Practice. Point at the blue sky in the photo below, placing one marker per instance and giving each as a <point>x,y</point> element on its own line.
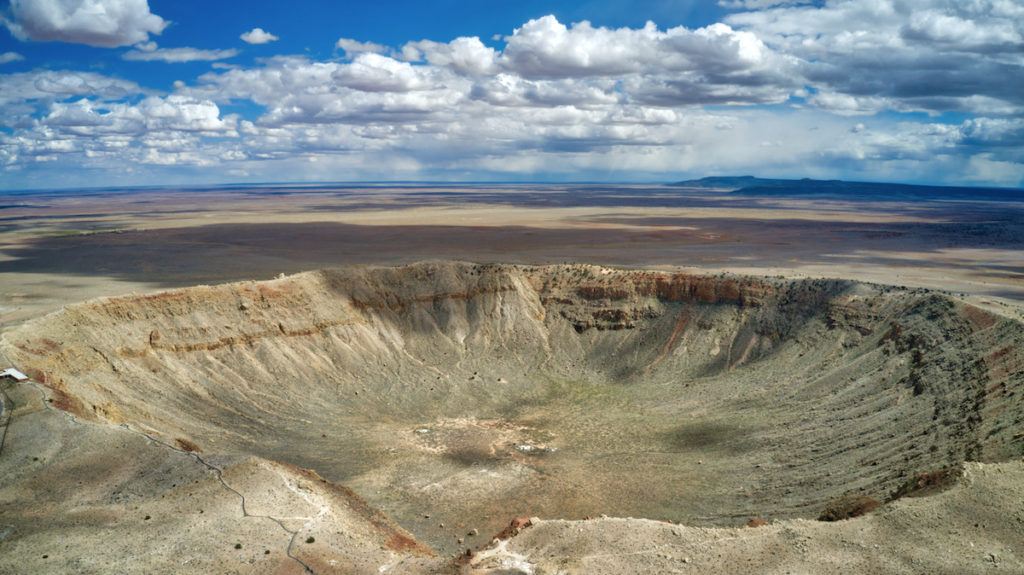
<point>123,92</point>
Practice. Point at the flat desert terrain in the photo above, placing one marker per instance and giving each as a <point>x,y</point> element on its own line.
<point>61,247</point>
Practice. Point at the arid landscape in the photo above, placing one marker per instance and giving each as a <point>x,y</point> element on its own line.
<point>62,247</point>
<point>710,391</point>
<point>550,287</point>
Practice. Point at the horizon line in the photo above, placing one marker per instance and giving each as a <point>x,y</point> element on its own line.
<point>384,183</point>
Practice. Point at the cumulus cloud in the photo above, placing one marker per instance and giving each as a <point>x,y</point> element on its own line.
<point>149,52</point>
<point>258,36</point>
<point>370,72</point>
<point>464,55</point>
<point>938,55</point>
<point>372,88</point>
<point>547,48</point>
<point>8,57</point>
<point>40,88</point>
<point>777,86</point>
<point>106,23</point>
<point>354,47</point>
<point>995,132</point>
<point>958,31</point>
<point>678,66</point>
<point>509,90</point>
<point>154,114</point>
<point>157,130</point>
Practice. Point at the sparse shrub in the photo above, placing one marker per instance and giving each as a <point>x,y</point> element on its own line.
<point>238,545</point>
<point>310,539</point>
<point>848,507</point>
<point>187,445</point>
<point>927,483</point>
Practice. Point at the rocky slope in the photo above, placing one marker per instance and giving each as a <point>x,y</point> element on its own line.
<point>453,396</point>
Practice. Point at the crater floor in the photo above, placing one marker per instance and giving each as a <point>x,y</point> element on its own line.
<point>454,396</point>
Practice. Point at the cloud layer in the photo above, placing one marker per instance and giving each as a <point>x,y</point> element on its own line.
<point>780,87</point>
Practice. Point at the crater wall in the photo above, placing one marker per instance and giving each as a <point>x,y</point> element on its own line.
<point>558,391</point>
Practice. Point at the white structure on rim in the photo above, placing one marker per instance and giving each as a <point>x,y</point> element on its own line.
<point>13,374</point>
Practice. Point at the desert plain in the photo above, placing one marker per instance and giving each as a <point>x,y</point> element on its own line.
<point>66,246</point>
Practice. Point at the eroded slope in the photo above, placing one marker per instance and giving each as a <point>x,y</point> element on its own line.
<point>460,395</point>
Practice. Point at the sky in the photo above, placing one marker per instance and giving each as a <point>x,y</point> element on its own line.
<point>197,92</point>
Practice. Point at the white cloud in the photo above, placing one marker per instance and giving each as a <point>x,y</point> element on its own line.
<point>546,48</point>
<point>370,72</point>
<point>182,113</point>
<point>848,105</point>
<point>511,90</point>
<point>258,36</point>
<point>938,55</point>
<point>154,116</point>
<point>464,55</point>
<point>570,99</point>
<point>168,130</point>
<point>107,23</point>
<point>1000,132</point>
<point>954,30</point>
<point>370,89</point>
<point>27,89</point>
<point>677,66</point>
<point>149,52</point>
<point>8,57</point>
<point>354,47</point>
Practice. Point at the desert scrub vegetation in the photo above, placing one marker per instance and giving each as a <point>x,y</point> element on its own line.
<point>187,445</point>
<point>848,507</point>
<point>927,483</point>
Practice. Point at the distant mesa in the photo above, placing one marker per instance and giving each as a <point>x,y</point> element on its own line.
<point>839,189</point>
